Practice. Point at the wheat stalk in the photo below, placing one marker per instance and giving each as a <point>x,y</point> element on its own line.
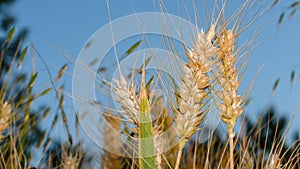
<point>194,88</point>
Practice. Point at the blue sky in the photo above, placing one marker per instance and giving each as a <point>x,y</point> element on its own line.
<point>66,25</point>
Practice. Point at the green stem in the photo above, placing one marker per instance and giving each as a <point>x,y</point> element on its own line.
<point>146,142</point>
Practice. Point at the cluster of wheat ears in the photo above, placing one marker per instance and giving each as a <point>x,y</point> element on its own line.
<point>211,77</point>
<point>196,88</point>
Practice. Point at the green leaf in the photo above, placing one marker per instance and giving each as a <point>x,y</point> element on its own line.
<point>280,18</point>
<point>139,70</point>
<point>132,48</point>
<point>10,35</point>
<point>46,113</point>
<point>23,54</point>
<point>45,92</point>
<point>102,69</point>
<point>275,2</point>
<point>54,121</point>
<point>275,85</point>
<point>94,62</point>
<point>292,76</point>
<point>61,71</point>
<point>20,78</point>
<point>146,142</point>
<point>292,13</point>
<point>76,121</point>
<point>41,139</point>
<point>149,83</point>
<point>61,101</point>
<point>295,4</point>
<point>32,80</point>
<point>20,101</point>
<point>46,143</point>
<point>88,44</point>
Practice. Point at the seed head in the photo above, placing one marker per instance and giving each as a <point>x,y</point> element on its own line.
<point>5,117</point>
<point>227,77</point>
<point>194,85</point>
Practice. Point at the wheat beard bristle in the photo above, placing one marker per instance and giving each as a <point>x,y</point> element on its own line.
<point>194,85</point>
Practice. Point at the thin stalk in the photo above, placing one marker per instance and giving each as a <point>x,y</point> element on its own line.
<point>179,154</point>
<point>231,147</point>
<point>158,161</point>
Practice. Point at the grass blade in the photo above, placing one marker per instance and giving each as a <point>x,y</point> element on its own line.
<point>22,57</point>
<point>32,80</point>
<point>61,71</point>
<point>280,19</point>
<point>275,85</point>
<point>132,48</point>
<point>292,77</point>
<point>10,35</point>
<point>146,142</point>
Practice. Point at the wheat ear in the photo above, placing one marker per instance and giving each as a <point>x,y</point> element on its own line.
<point>70,160</point>
<point>5,118</point>
<point>194,88</point>
<point>230,101</point>
<point>126,95</point>
<point>274,162</point>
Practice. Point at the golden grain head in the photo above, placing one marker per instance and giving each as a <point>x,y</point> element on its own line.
<point>5,117</point>
<point>194,85</point>
<point>274,162</point>
<point>127,97</point>
<point>70,162</point>
<point>203,48</point>
<point>227,77</point>
<point>226,41</point>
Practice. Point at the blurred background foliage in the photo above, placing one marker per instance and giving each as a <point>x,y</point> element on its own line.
<point>25,136</point>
